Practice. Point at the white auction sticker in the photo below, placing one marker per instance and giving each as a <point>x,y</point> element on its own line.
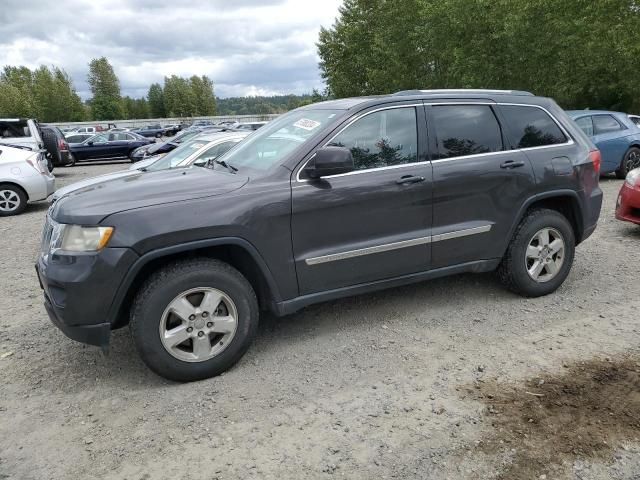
<point>306,124</point>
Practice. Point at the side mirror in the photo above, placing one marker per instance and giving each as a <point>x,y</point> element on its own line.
<point>89,143</point>
<point>330,161</point>
<point>202,162</point>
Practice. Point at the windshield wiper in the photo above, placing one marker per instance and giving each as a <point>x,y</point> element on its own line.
<point>231,168</point>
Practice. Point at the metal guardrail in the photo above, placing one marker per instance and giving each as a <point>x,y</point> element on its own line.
<point>167,121</point>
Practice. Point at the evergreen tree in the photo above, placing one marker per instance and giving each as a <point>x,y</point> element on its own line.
<point>106,103</point>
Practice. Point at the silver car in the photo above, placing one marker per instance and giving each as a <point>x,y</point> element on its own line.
<point>24,178</point>
<point>198,151</point>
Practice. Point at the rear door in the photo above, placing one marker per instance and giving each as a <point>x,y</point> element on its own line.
<point>373,223</point>
<point>479,182</point>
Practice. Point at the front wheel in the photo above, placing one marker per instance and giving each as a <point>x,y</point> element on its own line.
<point>194,319</point>
<point>540,254</point>
<point>630,161</point>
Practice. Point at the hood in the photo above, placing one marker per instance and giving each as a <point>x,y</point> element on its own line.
<point>145,163</point>
<point>90,204</point>
<point>61,192</point>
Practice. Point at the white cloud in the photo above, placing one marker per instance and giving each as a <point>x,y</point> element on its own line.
<point>247,47</point>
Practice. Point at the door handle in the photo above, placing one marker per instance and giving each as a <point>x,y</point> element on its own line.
<point>512,164</point>
<point>409,179</point>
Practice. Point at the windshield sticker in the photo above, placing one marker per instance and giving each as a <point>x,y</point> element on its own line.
<point>307,124</point>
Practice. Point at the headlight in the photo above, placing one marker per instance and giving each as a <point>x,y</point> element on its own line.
<point>76,238</point>
<point>633,178</point>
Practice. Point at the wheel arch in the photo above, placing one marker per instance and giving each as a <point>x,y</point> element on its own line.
<point>237,252</point>
<point>13,183</point>
<point>565,202</point>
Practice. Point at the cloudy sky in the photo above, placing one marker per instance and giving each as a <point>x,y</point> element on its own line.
<point>247,47</point>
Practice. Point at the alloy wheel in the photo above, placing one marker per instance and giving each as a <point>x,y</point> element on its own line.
<point>633,160</point>
<point>198,324</point>
<point>545,255</point>
<point>9,201</point>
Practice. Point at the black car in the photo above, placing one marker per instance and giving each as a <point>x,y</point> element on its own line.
<point>160,148</point>
<point>56,146</point>
<point>333,199</point>
<point>107,145</point>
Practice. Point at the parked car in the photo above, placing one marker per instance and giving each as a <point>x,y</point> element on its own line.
<point>199,150</point>
<point>635,119</point>
<point>56,145</point>
<point>213,146</point>
<point>333,199</point>
<point>24,178</point>
<point>203,123</point>
<point>21,131</point>
<point>628,204</point>
<point>171,129</point>
<point>93,130</point>
<point>156,131</point>
<point>161,148</point>
<point>107,145</point>
<point>79,137</point>
<point>615,135</point>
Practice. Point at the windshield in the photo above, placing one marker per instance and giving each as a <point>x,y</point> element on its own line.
<point>173,158</point>
<point>270,144</point>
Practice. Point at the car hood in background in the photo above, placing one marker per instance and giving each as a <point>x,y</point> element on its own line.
<point>90,204</point>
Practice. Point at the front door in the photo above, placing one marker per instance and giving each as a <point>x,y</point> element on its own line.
<point>610,140</point>
<point>375,222</point>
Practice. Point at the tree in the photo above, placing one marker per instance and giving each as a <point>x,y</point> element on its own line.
<point>179,98</point>
<point>155,98</point>
<point>205,101</point>
<point>578,51</point>
<point>105,86</point>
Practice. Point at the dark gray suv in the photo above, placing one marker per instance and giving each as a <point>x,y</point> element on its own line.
<point>333,199</point>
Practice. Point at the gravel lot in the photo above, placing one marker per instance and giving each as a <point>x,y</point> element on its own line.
<point>378,386</point>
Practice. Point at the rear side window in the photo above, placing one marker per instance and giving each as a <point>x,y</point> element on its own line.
<point>532,127</point>
<point>381,139</point>
<point>605,124</point>
<point>586,125</point>
<point>466,130</point>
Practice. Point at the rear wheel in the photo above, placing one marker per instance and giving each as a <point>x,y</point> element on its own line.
<point>630,161</point>
<point>194,319</point>
<point>13,200</point>
<point>540,254</point>
<point>72,160</point>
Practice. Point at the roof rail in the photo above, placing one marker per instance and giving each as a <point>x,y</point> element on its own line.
<point>458,91</point>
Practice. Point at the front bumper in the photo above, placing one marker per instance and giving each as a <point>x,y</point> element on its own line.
<point>80,289</point>
<point>628,204</point>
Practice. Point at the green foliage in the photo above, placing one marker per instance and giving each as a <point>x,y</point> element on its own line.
<point>106,103</point>
<point>45,93</point>
<point>264,105</point>
<point>205,101</point>
<point>135,108</point>
<point>582,53</point>
<point>156,101</point>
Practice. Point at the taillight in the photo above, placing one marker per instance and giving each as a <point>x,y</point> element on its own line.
<point>596,159</point>
<point>62,145</point>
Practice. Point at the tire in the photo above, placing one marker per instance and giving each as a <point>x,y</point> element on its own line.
<point>72,160</point>
<point>150,318</point>
<point>630,161</point>
<point>13,200</point>
<point>158,135</point>
<point>513,271</point>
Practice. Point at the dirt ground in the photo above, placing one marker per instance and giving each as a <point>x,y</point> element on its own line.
<point>440,380</point>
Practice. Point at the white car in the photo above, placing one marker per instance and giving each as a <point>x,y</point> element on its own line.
<point>24,178</point>
<point>22,132</point>
<point>198,151</point>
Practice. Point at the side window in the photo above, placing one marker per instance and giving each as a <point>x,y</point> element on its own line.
<point>381,139</point>
<point>466,130</point>
<point>532,127</point>
<point>586,125</point>
<point>605,124</point>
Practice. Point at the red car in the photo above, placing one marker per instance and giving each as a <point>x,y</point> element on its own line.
<point>628,205</point>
